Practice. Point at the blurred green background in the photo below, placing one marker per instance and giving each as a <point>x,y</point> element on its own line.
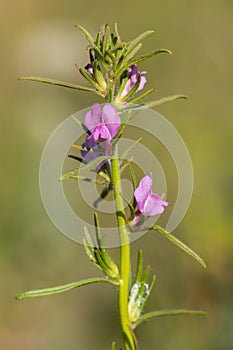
<point>39,38</point>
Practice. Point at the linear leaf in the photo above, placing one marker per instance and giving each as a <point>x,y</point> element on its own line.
<point>61,289</point>
<point>88,166</point>
<point>139,267</point>
<point>158,102</point>
<point>179,244</point>
<point>154,314</point>
<point>138,39</point>
<point>149,55</point>
<point>61,83</point>
<point>147,93</point>
<point>86,33</point>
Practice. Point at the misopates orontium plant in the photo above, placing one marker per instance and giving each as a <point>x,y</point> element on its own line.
<point>113,74</point>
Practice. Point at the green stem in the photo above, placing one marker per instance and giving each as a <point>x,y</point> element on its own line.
<point>125,265</point>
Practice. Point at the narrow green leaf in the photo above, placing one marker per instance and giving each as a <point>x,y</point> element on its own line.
<point>131,54</point>
<point>131,208</point>
<point>145,275</point>
<point>88,239</point>
<point>86,33</point>
<point>79,159</point>
<point>144,57</point>
<point>117,31</point>
<point>88,77</point>
<point>139,267</point>
<point>89,251</point>
<point>139,98</point>
<point>62,83</point>
<point>154,314</point>
<point>86,179</point>
<point>81,125</point>
<point>106,39</point>
<point>61,289</point>
<point>103,195</point>
<point>132,175</point>
<point>113,345</point>
<point>123,125</point>
<point>88,166</point>
<point>149,55</point>
<point>159,102</point>
<point>179,244</point>
<point>97,229</point>
<point>129,150</point>
<point>138,39</point>
<point>81,148</point>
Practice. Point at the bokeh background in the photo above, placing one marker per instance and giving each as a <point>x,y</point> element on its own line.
<point>39,38</point>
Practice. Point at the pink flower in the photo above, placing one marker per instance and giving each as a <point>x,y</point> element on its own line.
<point>103,125</point>
<point>132,79</point>
<point>148,203</point>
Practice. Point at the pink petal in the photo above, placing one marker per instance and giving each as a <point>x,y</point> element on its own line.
<point>111,119</point>
<point>101,132</point>
<point>127,88</point>
<point>154,205</point>
<point>93,117</point>
<point>142,82</point>
<point>143,191</point>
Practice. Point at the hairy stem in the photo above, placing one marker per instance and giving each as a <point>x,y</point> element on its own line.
<point>125,256</point>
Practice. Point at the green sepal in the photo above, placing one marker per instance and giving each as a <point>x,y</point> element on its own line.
<point>161,313</point>
<point>62,83</point>
<point>63,288</point>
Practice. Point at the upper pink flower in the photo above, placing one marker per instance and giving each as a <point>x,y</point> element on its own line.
<point>132,79</point>
<point>103,125</point>
<point>148,203</point>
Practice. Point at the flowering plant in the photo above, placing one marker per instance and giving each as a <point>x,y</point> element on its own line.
<point>114,75</point>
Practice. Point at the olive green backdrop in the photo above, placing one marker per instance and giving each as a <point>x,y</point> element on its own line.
<point>39,38</point>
